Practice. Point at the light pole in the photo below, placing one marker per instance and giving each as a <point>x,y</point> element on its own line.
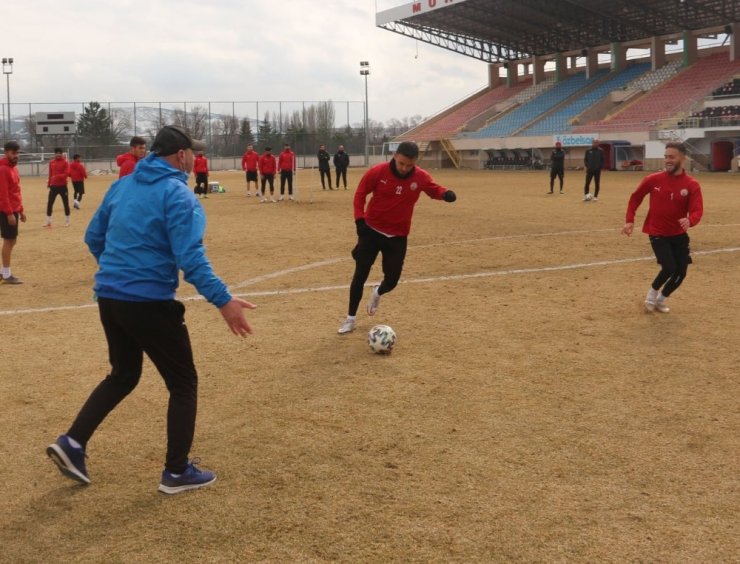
<point>365,71</point>
<point>7,71</point>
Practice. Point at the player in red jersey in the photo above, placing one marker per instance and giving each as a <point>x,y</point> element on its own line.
<point>675,205</point>
<point>250,158</point>
<point>57,184</point>
<point>11,208</point>
<point>78,174</point>
<point>127,161</point>
<point>384,223</point>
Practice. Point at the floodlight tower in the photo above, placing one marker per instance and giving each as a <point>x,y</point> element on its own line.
<point>7,71</point>
<point>365,71</point>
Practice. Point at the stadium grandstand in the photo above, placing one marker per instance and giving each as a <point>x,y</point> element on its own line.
<point>630,74</point>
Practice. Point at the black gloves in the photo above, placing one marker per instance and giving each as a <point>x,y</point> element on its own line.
<point>361,226</point>
<point>449,196</point>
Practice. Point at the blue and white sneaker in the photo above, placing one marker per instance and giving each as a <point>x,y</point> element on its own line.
<point>70,460</point>
<point>192,478</point>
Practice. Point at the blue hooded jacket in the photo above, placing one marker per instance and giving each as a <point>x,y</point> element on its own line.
<point>148,227</point>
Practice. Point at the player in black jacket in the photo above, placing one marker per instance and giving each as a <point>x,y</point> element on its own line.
<point>557,166</point>
<point>594,161</point>
<point>341,163</point>
<point>324,168</point>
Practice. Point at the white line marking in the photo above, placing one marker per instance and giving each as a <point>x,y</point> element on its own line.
<point>488,274</point>
<point>279,273</point>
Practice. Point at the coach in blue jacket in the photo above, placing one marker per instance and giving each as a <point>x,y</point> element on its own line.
<point>148,228</point>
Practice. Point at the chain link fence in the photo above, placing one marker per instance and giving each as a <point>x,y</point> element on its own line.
<point>227,127</point>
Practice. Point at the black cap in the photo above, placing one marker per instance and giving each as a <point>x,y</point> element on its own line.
<point>173,138</point>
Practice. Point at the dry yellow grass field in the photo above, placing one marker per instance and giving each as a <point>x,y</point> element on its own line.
<point>531,410</point>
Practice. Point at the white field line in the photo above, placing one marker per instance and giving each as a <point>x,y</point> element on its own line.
<point>303,267</point>
<point>427,280</point>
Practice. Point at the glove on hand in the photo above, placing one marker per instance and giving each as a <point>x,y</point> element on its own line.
<point>361,226</point>
<point>449,196</point>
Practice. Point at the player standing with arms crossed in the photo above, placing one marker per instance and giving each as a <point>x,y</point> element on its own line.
<point>676,204</point>
<point>384,224</point>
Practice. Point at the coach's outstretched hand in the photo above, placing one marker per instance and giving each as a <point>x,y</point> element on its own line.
<point>233,314</point>
<point>449,196</point>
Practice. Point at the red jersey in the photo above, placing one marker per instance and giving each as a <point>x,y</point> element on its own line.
<point>671,198</point>
<point>58,172</point>
<point>200,165</point>
<point>10,188</point>
<point>77,171</point>
<point>267,163</point>
<point>250,160</point>
<point>126,164</point>
<point>286,160</point>
<point>392,204</point>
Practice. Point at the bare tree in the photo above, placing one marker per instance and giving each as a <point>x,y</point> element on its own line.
<point>194,119</point>
<point>225,136</point>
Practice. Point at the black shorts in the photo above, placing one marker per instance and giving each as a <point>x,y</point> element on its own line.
<point>671,251</point>
<point>251,176</point>
<point>8,231</point>
<point>79,186</point>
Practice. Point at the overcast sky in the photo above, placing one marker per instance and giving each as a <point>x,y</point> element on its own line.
<point>226,50</point>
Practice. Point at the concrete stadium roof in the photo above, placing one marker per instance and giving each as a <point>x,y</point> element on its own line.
<point>504,30</point>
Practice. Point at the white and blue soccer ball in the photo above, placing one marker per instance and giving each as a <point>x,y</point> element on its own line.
<point>589,197</point>
<point>381,339</point>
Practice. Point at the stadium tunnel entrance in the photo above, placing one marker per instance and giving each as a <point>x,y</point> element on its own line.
<point>722,153</point>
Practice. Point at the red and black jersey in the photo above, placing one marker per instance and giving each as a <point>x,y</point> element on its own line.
<point>672,197</point>
<point>267,163</point>
<point>393,199</point>
<point>200,165</point>
<point>126,163</point>
<point>10,188</point>
<point>250,160</point>
<point>77,171</point>
<point>58,172</point>
<point>286,160</point>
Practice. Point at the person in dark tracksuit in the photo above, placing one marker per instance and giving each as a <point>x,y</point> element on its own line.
<point>324,168</point>
<point>557,166</point>
<point>341,164</point>
<point>594,162</point>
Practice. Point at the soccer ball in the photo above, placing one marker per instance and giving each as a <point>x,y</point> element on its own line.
<point>381,339</point>
<point>589,197</point>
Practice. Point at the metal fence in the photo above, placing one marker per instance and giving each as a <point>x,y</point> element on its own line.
<point>225,126</point>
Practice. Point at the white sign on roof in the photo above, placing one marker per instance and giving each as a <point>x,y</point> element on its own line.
<point>412,9</point>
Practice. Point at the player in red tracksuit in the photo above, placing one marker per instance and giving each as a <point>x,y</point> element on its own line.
<point>58,174</point>
<point>200,168</point>
<point>250,159</point>
<point>127,161</point>
<point>78,174</point>
<point>286,165</point>
<point>11,207</point>
<point>384,223</point>
<point>675,205</point>
<point>267,166</point>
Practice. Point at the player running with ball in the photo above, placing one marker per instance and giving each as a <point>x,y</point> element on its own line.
<point>675,205</point>
<point>384,224</point>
